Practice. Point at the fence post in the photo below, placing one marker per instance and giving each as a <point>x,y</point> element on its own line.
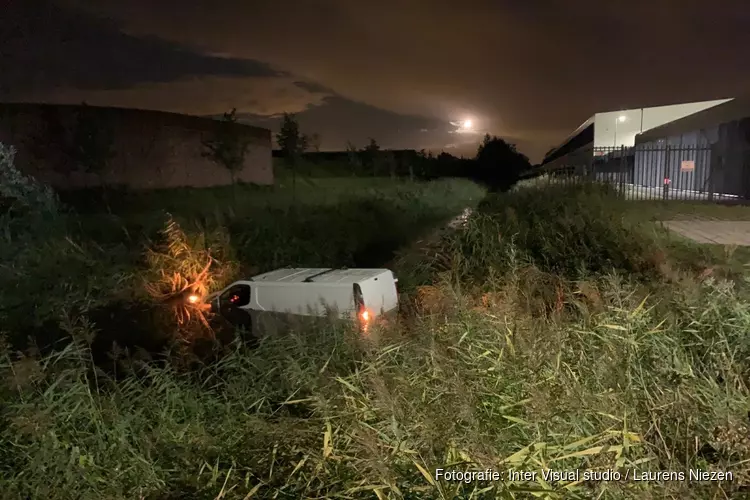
<point>621,172</point>
<point>713,163</point>
<point>667,177</point>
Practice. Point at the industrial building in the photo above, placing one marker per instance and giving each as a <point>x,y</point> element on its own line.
<point>694,150</point>
<point>606,131</point>
<point>705,152</point>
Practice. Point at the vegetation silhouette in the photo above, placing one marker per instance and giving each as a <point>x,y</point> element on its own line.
<point>499,164</point>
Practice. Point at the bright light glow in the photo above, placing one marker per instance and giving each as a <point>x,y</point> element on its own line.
<point>465,126</point>
<point>364,322</point>
<point>621,118</point>
<point>193,299</point>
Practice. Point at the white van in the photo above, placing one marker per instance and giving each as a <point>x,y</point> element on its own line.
<point>360,294</point>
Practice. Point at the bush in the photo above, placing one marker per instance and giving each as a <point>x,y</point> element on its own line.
<point>21,192</point>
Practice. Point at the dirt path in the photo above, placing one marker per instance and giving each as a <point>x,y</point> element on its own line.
<point>417,246</point>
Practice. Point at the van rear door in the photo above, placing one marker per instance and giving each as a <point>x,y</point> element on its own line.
<point>379,293</point>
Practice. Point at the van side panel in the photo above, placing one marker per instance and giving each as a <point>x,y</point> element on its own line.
<point>304,300</point>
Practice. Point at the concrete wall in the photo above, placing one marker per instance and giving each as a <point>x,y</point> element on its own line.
<point>151,149</point>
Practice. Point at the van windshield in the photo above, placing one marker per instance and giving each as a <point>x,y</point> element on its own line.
<point>236,296</point>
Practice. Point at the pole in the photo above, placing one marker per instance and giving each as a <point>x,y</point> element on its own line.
<point>641,120</point>
<point>617,119</point>
<point>667,171</point>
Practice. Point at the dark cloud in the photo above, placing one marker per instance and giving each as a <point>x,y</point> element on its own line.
<point>55,54</point>
<point>205,95</point>
<point>532,71</point>
<point>47,46</point>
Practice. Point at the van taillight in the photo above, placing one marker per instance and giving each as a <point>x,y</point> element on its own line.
<point>363,315</point>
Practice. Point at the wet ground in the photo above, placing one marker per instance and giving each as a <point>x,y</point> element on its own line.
<point>460,220</point>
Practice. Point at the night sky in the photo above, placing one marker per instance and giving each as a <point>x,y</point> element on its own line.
<point>402,71</point>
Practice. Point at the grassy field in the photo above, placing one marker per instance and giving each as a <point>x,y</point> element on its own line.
<point>553,331</point>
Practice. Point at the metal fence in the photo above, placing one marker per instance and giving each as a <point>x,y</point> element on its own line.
<point>657,171</point>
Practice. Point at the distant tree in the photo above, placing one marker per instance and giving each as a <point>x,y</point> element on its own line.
<point>499,164</point>
<point>292,144</point>
<point>390,163</point>
<point>354,157</point>
<point>405,163</point>
<point>372,156</point>
<point>422,163</point>
<point>291,141</point>
<point>314,142</point>
<point>228,145</point>
<point>446,165</point>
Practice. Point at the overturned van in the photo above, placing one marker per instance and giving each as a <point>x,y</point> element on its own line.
<point>275,299</point>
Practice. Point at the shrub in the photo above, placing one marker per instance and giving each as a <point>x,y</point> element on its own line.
<point>20,191</point>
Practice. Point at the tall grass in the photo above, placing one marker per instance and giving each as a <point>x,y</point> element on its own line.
<point>321,414</point>
<point>199,202</point>
<point>632,378</point>
<point>569,232</point>
<point>86,261</point>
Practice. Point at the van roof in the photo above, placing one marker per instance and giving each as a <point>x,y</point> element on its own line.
<point>319,275</point>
